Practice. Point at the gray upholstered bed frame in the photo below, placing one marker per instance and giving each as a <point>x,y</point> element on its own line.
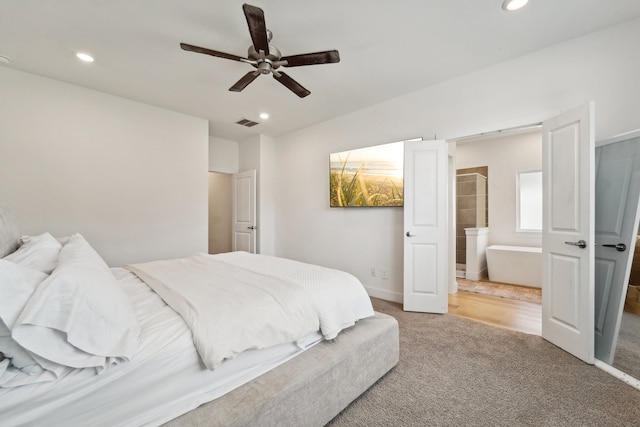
<point>312,388</point>
<point>308,390</point>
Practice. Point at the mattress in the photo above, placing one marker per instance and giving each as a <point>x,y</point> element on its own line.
<point>165,378</point>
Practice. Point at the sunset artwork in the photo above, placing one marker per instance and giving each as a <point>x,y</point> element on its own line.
<point>367,177</point>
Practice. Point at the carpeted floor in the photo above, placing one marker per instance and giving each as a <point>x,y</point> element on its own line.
<point>627,354</point>
<point>458,372</point>
<point>503,290</point>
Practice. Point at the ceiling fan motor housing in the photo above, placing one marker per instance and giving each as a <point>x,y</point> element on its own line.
<point>274,54</point>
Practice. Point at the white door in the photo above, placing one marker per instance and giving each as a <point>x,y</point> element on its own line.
<point>617,195</point>
<point>568,232</point>
<point>244,212</point>
<point>425,226</point>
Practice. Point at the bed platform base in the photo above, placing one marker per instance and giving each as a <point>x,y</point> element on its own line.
<point>312,388</point>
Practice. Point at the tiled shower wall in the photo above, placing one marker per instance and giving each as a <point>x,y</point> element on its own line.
<point>471,205</point>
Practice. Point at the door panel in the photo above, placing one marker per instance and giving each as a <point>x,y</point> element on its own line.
<point>568,232</point>
<point>427,253</point>
<point>604,270</point>
<point>425,226</point>
<point>563,302</point>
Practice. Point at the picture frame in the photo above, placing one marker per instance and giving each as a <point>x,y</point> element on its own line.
<point>367,177</point>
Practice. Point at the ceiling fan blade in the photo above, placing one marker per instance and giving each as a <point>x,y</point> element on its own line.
<point>244,81</point>
<point>291,84</point>
<point>197,49</point>
<point>326,57</point>
<point>257,27</point>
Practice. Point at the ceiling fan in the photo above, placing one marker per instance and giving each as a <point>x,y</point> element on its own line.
<point>266,58</point>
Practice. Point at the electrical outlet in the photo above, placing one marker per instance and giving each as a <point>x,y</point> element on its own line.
<point>383,273</point>
<point>373,271</point>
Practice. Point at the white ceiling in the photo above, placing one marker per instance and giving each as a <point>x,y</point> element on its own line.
<point>387,49</point>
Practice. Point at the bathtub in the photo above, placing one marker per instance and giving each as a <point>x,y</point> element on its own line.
<point>518,265</point>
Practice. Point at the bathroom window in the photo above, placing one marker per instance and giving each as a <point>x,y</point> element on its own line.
<point>529,201</point>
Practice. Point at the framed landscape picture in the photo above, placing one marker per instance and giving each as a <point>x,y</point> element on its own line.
<point>367,177</point>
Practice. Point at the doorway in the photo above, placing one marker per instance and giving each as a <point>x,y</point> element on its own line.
<point>566,235</point>
<point>499,157</point>
<point>220,212</point>
<point>232,212</point>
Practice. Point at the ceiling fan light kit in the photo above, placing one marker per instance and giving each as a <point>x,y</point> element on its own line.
<point>513,5</point>
<point>84,57</point>
<point>266,58</point>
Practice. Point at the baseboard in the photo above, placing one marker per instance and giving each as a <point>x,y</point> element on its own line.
<point>384,294</point>
<point>476,275</point>
<point>633,382</point>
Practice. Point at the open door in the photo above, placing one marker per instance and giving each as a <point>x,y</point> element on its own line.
<point>244,212</point>
<point>617,216</point>
<point>426,261</point>
<point>568,232</point>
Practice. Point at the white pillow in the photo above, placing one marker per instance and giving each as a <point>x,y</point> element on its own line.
<point>37,252</point>
<point>17,284</point>
<point>79,316</point>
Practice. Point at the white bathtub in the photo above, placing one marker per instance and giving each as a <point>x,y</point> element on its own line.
<point>518,265</point>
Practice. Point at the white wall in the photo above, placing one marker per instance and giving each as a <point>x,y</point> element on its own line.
<point>224,155</point>
<point>504,156</point>
<point>601,66</point>
<point>267,191</point>
<point>130,177</point>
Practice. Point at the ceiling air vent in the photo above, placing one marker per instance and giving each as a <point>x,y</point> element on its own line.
<point>247,123</point>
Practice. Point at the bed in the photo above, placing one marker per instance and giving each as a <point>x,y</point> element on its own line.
<point>156,359</point>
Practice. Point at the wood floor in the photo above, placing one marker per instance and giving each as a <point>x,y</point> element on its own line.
<point>507,313</point>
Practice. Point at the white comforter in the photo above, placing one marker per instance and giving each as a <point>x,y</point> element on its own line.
<point>230,309</point>
<point>238,301</point>
<point>339,297</point>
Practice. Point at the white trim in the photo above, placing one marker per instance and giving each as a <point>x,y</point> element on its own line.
<point>514,128</point>
<point>633,382</point>
<point>621,137</point>
<point>384,294</point>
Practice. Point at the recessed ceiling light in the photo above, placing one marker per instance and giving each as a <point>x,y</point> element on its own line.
<point>4,60</point>
<point>85,57</point>
<point>264,116</point>
<point>511,5</point>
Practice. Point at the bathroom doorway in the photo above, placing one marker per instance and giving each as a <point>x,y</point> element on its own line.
<point>490,163</point>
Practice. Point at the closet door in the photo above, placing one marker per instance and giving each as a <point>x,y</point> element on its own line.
<point>617,196</point>
<point>244,212</point>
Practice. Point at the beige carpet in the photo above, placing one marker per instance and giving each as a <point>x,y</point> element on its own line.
<point>457,372</point>
<point>627,354</point>
<point>521,293</point>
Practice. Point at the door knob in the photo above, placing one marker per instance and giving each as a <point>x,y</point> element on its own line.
<point>252,227</point>
<point>620,247</point>
<point>410,234</point>
<point>580,243</point>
